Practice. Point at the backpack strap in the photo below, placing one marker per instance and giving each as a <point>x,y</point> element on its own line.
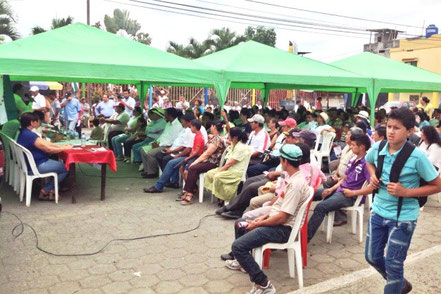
<point>379,167</point>
<point>397,166</point>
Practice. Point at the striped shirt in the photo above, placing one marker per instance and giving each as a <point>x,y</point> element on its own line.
<point>259,141</point>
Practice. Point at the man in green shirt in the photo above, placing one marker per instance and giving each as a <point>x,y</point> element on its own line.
<point>22,107</point>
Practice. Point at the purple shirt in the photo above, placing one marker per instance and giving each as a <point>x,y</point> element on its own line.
<point>356,173</point>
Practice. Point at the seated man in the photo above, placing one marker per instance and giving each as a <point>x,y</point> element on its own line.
<point>259,138</point>
<point>345,192</point>
<point>171,170</point>
<point>237,206</point>
<point>275,226</point>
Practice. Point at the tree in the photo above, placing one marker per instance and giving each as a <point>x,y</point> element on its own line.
<point>261,34</point>
<point>97,25</point>
<point>143,38</point>
<point>7,21</point>
<point>37,30</point>
<point>61,22</point>
<point>176,48</point>
<point>224,38</point>
<point>56,23</point>
<point>196,49</point>
<point>121,21</point>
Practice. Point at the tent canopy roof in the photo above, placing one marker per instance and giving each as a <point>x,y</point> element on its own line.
<point>390,75</point>
<point>82,53</point>
<point>252,65</point>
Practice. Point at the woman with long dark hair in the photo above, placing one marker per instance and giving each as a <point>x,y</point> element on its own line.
<point>223,181</point>
<point>431,145</point>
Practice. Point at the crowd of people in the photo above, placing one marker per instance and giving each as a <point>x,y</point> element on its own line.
<point>273,150</point>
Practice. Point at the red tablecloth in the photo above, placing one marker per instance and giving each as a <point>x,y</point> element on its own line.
<point>86,155</point>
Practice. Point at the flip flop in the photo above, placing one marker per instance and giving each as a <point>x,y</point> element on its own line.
<point>44,196</point>
<point>186,201</point>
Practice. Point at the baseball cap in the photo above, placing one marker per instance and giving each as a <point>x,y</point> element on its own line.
<point>308,137</point>
<point>325,116</point>
<point>257,118</point>
<point>34,89</point>
<point>159,112</point>
<point>290,122</point>
<point>162,92</point>
<point>290,152</point>
<point>293,133</point>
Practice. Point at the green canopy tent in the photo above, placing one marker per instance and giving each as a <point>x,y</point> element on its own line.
<point>81,53</point>
<point>252,65</point>
<point>388,75</point>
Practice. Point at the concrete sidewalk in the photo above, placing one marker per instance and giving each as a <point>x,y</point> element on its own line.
<point>186,263</point>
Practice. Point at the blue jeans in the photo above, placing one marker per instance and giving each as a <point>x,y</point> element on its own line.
<point>52,166</point>
<point>397,237</point>
<point>136,149</point>
<point>332,203</point>
<point>70,125</point>
<point>170,173</point>
<point>116,144</point>
<point>248,240</point>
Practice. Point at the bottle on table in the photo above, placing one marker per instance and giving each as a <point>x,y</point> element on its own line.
<point>83,140</point>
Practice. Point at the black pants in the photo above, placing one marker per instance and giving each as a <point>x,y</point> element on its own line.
<point>162,159</point>
<point>128,144</point>
<point>250,189</point>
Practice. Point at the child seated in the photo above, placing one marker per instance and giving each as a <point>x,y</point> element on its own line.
<point>97,132</point>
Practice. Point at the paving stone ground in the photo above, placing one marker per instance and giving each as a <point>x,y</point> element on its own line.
<point>185,263</point>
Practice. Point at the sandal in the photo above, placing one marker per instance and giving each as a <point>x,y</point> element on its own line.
<point>52,196</point>
<point>44,196</point>
<point>187,200</point>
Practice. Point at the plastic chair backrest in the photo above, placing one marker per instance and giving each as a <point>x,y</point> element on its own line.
<point>19,156</point>
<point>6,143</point>
<point>244,175</point>
<point>328,139</point>
<point>222,160</point>
<point>360,197</point>
<point>296,228</point>
<point>30,159</point>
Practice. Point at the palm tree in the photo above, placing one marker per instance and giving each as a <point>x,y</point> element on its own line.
<point>7,30</point>
<point>196,49</point>
<point>37,30</point>
<point>224,38</point>
<point>176,48</point>
<point>61,22</point>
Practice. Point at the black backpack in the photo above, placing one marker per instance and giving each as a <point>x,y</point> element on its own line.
<point>395,172</point>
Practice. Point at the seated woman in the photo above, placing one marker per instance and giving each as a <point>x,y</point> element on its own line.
<point>132,126</point>
<point>210,159</point>
<point>40,150</point>
<point>223,181</point>
<point>273,132</point>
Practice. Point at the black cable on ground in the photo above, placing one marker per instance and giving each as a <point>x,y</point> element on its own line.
<point>22,225</point>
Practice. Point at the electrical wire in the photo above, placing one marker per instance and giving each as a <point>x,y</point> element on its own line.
<point>235,21</point>
<point>22,226</point>
<point>271,20</point>
<point>331,14</point>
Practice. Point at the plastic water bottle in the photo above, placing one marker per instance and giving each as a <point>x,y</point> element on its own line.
<point>83,140</point>
<point>76,136</point>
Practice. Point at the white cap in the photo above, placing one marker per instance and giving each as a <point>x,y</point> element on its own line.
<point>34,89</point>
<point>162,92</point>
<point>257,118</point>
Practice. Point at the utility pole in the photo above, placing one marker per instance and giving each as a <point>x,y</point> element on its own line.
<point>88,12</point>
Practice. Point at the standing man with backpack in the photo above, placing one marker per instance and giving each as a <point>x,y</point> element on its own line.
<point>396,168</point>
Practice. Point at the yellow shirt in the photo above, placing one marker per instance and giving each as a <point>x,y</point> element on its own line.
<point>241,153</point>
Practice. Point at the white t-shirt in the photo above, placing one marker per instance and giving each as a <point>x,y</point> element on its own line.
<point>131,102</point>
<point>123,117</point>
<point>185,138</point>
<point>433,153</point>
<point>181,105</point>
<point>279,141</point>
<point>39,101</point>
<point>260,141</point>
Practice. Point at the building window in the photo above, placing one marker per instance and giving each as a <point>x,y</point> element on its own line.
<point>414,98</point>
<point>412,62</point>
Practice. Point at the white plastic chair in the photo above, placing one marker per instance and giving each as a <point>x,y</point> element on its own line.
<point>106,131</point>
<point>293,245</point>
<point>10,161</point>
<point>28,179</point>
<point>325,148</point>
<point>357,212</point>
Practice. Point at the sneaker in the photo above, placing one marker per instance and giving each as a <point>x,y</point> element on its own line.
<point>268,289</point>
<point>234,265</point>
<point>227,256</point>
<point>141,167</point>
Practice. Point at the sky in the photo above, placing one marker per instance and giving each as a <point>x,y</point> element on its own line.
<point>327,46</point>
